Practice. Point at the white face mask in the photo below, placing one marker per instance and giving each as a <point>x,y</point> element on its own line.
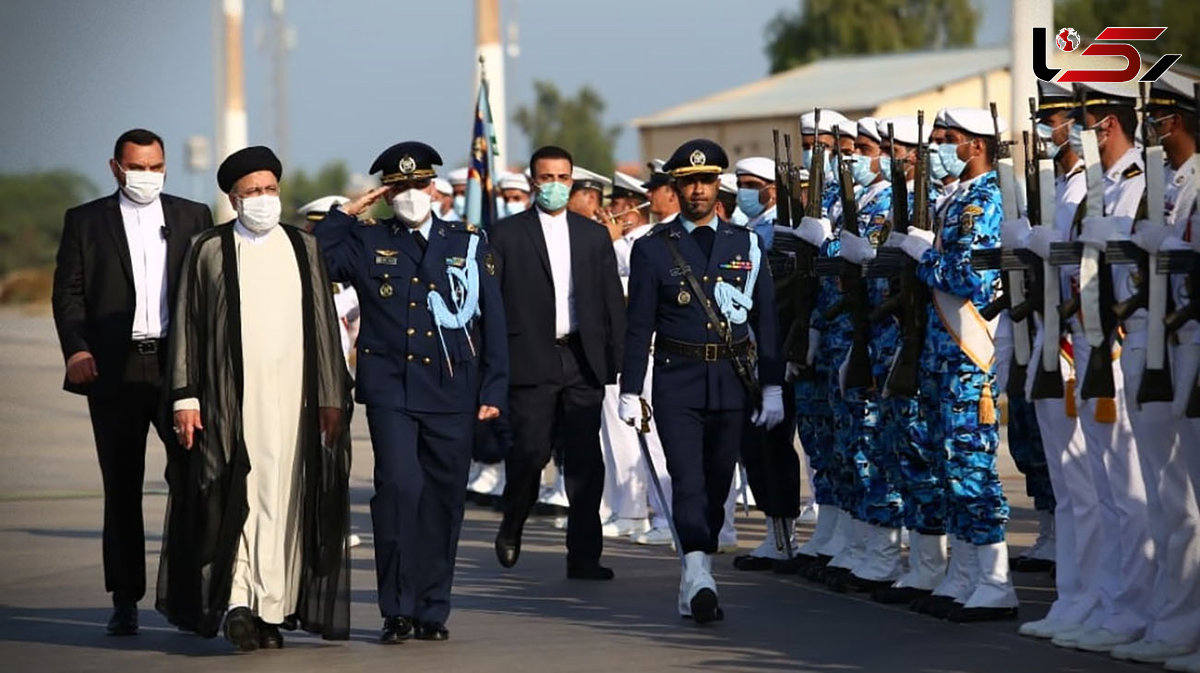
<point>260,214</point>
<point>412,206</point>
<point>143,186</point>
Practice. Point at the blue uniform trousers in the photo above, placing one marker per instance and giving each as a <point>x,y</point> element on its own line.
<point>701,447</point>
<point>421,465</point>
<point>814,425</point>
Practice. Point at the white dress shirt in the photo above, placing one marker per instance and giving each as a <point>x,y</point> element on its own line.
<point>558,246</point>
<point>144,226</point>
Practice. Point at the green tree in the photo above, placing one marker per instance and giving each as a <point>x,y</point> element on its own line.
<point>574,124</point>
<point>31,215</point>
<point>299,188</point>
<point>1182,17</point>
<point>821,28</point>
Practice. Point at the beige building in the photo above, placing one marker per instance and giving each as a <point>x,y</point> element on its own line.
<point>741,119</point>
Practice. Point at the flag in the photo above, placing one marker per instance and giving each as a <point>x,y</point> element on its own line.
<point>481,192</point>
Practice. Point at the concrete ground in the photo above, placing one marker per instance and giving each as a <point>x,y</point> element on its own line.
<point>53,606</point>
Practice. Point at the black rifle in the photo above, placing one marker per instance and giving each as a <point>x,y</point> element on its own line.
<point>904,376</point>
<point>854,286</point>
<point>1047,383</point>
<point>803,294</point>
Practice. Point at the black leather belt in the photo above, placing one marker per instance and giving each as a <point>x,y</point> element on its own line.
<point>705,352</point>
<point>145,346</point>
<point>566,340</point>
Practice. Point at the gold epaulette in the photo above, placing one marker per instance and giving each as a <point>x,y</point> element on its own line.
<point>1077,170</point>
<point>1132,172</point>
<point>368,222</point>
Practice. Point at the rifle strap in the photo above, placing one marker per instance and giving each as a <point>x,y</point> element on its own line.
<point>740,367</point>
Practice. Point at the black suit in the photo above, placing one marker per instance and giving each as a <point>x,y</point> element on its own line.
<point>94,304</point>
<point>556,389</point>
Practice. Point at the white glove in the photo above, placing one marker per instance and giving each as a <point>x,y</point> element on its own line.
<point>894,240</point>
<point>1150,237</point>
<point>1098,231</point>
<point>771,413</point>
<point>814,341</point>
<point>855,249</point>
<point>916,243</point>
<point>1014,234</point>
<point>629,408</point>
<point>1040,239</point>
<point>814,230</point>
<point>791,371</point>
<point>1174,243</point>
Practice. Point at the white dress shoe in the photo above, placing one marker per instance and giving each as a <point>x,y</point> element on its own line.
<point>616,527</point>
<point>1188,664</point>
<point>655,536</point>
<point>1149,651</point>
<point>1102,640</point>
<point>1046,628</point>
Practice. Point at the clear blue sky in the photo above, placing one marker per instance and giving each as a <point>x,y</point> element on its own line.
<point>363,74</point>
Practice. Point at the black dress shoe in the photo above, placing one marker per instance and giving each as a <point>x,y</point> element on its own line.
<point>241,629</point>
<point>963,614</point>
<point>705,608</point>
<point>898,595</point>
<point>752,563</point>
<point>508,543</point>
<point>124,620</point>
<point>935,606</point>
<point>269,637</point>
<point>794,565</point>
<point>396,630</point>
<point>831,576</point>
<point>290,623</point>
<point>1026,564</point>
<point>432,631</point>
<point>588,571</point>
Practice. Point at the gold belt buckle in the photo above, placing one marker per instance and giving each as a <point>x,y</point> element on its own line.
<point>710,352</point>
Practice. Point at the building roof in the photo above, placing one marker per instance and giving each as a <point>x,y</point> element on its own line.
<point>851,83</point>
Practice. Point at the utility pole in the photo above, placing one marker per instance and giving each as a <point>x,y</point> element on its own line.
<point>281,39</point>
<point>489,49</point>
<point>231,125</point>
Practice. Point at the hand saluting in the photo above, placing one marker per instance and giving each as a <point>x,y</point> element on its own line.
<point>357,206</point>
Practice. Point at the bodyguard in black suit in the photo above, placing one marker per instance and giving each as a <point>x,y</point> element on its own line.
<point>566,320</point>
<point>114,284</point>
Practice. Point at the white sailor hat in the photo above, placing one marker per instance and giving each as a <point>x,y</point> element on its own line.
<point>939,120</point>
<point>728,183</point>
<point>974,121</point>
<point>904,128</point>
<point>848,128</point>
<point>759,167</point>
<point>317,209</point>
<point>626,185</point>
<point>828,119</point>
<point>869,127</point>
<point>442,185</point>
<point>585,179</point>
<point>458,176</point>
<point>513,181</point>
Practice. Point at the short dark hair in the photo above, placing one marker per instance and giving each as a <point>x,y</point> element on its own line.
<point>728,200</point>
<point>1125,114</point>
<point>137,137</point>
<point>548,152</point>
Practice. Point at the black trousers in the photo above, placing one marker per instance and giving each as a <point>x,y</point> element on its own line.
<point>120,422</point>
<point>772,465</point>
<point>563,415</point>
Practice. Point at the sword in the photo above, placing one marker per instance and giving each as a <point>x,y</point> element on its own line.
<point>658,489</point>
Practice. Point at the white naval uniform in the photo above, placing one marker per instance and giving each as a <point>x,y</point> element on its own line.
<point>1171,465</point>
<point>1123,571</point>
<point>1077,520</point>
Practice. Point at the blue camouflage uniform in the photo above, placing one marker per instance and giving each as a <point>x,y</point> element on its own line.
<point>422,384</point>
<point>957,393</point>
<point>814,410</point>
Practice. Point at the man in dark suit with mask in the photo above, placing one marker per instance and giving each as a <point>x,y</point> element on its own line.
<point>114,285</point>
<point>566,318</point>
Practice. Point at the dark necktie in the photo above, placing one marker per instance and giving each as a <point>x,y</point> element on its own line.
<point>420,239</point>
<point>704,238</point>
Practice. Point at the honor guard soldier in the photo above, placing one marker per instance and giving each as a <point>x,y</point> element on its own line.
<point>959,375</point>
<point>1112,433</point>
<point>1077,523</point>
<point>433,358</point>
<point>700,287</point>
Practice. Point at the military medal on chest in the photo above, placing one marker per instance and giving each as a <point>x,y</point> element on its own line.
<point>684,297</point>
<point>386,290</point>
